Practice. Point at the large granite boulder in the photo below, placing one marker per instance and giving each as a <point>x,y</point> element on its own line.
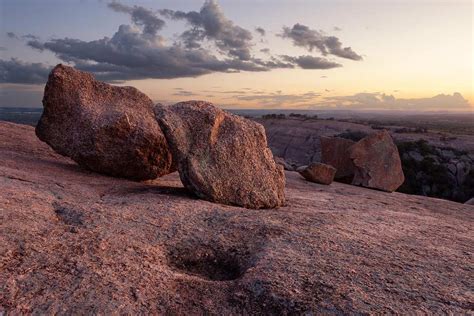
<point>107,129</point>
<point>335,152</point>
<point>318,173</point>
<point>222,157</point>
<point>377,162</point>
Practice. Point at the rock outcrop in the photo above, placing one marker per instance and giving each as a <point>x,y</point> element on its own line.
<point>318,173</point>
<point>335,152</point>
<point>107,129</point>
<point>377,162</point>
<point>297,140</point>
<point>437,172</point>
<point>76,242</point>
<point>432,166</point>
<point>222,157</point>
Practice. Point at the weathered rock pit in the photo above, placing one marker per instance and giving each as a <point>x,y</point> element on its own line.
<point>223,249</point>
<point>208,262</point>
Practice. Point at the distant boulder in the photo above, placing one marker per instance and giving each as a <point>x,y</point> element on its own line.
<point>318,173</point>
<point>470,201</point>
<point>107,129</point>
<point>222,157</point>
<point>377,162</point>
<point>335,152</point>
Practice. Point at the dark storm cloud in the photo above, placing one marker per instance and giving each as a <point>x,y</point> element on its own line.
<point>303,36</point>
<point>134,54</point>
<point>130,54</point>
<point>15,71</point>
<point>210,23</point>
<point>310,62</point>
<point>140,16</point>
<point>261,31</point>
<point>210,43</point>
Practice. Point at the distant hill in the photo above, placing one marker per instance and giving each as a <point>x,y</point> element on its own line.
<point>27,116</point>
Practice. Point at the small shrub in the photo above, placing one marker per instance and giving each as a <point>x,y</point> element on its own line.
<point>273,116</point>
<point>298,115</point>
<point>377,127</point>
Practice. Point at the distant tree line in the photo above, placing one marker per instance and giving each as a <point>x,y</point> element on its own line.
<point>291,115</point>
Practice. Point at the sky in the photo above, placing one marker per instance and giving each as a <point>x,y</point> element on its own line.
<point>253,54</point>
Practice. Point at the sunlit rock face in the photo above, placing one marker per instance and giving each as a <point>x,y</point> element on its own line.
<point>377,162</point>
<point>107,129</point>
<point>222,157</point>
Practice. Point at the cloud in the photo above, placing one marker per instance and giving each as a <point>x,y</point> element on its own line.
<point>211,23</point>
<point>265,50</point>
<point>310,62</point>
<point>138,52</point>
<point>337,29</point>
<point>243,91</point>
<point>335,48</point>
<point>260,30</point>
<point>382,101</point>
<point>358,101</point>
<point>210,43</point>
<point>278,99</point>
<point>16,71</point>
<point>140,16</point>
<point>184,93</point>
<point>30,37</point>
<point>303,36</point>
<point>12,35</point>
<point>130,54</point>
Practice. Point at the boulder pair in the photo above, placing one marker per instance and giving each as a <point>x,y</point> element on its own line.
<point>372,162</point>
<point>118,131</point>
